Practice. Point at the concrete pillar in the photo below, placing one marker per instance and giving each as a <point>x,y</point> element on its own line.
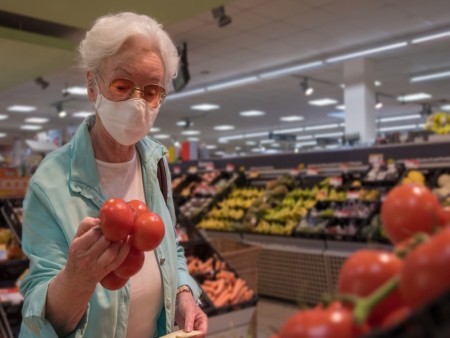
<point>359,99</point>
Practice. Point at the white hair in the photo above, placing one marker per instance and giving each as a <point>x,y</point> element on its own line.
<point>109,32</point>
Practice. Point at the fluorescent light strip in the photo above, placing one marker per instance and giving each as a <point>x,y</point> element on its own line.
<point>414,97</point>
<point>289,70</point>
<point>267,141</point>
<point>431,37</point>
<point>76,90</point>
<point>193,139</point>
<point>323,126</point>
<point>190,132</point>
<point>205,107</point>
<point>224,127</point>
<point>155,130</point>
<point>30,127</point>
<point>367,52</point>
<point>21,108</point>
<point>302,144</point>
<point>429,77</point>
<point>82,114</point>
<point>262,134</point>
<point>446,107</point>
<point>292,118</point>
<point>322,102</point>
<point>161,136</point>
<point>36,120</point>
<point>3,117</point>
<point>287,131</point>
<point>399,118</point>
<point>3,135</point>
<point>329,135</point>
<point>233,83</point>
<point>406,127</point>
<point>251,113</point>
<point>185,94</point>
<point>304,137</point>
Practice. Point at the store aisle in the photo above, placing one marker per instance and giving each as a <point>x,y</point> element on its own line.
<point>271,314</point>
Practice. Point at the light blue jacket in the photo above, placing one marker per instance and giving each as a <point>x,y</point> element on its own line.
<point>65,189</point>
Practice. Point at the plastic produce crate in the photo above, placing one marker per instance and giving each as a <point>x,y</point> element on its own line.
<point>432,321</point>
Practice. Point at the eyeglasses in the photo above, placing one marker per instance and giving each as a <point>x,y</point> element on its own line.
<point>123,89</point>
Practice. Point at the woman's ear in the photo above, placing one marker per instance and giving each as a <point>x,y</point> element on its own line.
<point>91,86</point>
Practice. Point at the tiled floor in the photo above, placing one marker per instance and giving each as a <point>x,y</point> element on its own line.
<point>271,314</point>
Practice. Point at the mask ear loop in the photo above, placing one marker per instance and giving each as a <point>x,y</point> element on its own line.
<point>98,94</point>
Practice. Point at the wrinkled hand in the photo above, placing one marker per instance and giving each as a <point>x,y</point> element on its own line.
<point>92,256</point>
<point>189,316</point>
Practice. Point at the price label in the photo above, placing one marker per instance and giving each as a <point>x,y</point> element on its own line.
<point>192,170</point>
<point>376,159</point>
<point>344,167</point>
<point>176,170</point>
<point>335,181</point>
<point>210,166</point>
<point>353,195</point>
<point>411,164</point>
<point>311,171</point>
<point>294,172</point>
<point>229,167</point>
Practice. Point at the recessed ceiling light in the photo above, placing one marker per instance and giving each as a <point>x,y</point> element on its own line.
<point>155,130</point>
<point>193,139</point>
<point>250,143</point>
<point>190,132</point>
<point>184,123</point>
<point>446,107</point>
<point>292,118</point>
<point>377,83</point>
<point>322,102</point>
<point>414,97</point>
<point>161,136</point>
<point>82,114</point>
<point>340,107</point>
<point>205,106</point>
<point>36,120</point>
<point>21,108</point>
<point>3,134</point>
<point>30,127</point>
<point>250,113</point>
<point>3,116</point>
<point>337,115</point>
<point>211,146</point>
<point>76,90</point>
<point>224,127</point>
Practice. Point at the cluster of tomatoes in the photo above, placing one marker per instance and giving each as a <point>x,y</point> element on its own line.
<point>133,221</point>
<point>378,288</point>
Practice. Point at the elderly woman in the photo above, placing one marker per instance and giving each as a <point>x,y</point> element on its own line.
<point>129,61</point>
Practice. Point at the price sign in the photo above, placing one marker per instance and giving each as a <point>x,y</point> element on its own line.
<point>192,170</point>
<point>311,171</point>
<point>335,181</point>
<point>229,167</point>
<point>353,195</point>
<point>176,170</point>
<point>210,166</point>
<point>294,172</point>
<point>344,167</point>
<point>411,164</point>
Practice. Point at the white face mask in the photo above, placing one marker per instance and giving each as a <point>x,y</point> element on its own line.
<point>126,121</point>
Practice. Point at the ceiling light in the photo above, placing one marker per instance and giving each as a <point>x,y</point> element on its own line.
<point>205,106</point>
<point>289,70</point>
<point>446,107</point>
<point>36,120</point>
<point>337,115</point>
<point>82,114</point>
<point>3,135</point>
<point>377,83</point>
<point>155,130</point>
<point>233,83</point>
<point>322,102</point>
<point>250,143</point>
<point>367,52</point>
<point>230,138</point>
<point>76,90</point>
<point>30,127</point>
<point>406,127</point>
<point>275,145</point>
<point>224,127</point>
<point>256,150</point>
<point>304,144</point>
<point>190,132</point>
<point>287,131</point>
<point>219,153</point>
<point>3,116</point>
<point>21,108</point>
<point>428,77</point>
<point>211,146</point>
<point>400,118</point>
<point>266,141</point>
<point>378,102</point>
<point>185,94</point>
<point>342,124</point>
<point>322,126</point>
<point>340,107</point>
<point>186,123</point>
<point>304,137</point>
<point>292,118</point>
<point>422,125</point>
<point>193,139</point>
<point>250,113</point>
<point>161,136</point>
<point>220,16</point>
<point>304,85</point>
<point>261,134</point>
<point>431,37</point>
<point>342,85</point>
<point>62,113</point>
<point>414,97</point>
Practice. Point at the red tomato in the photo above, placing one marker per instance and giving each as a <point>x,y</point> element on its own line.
<point>396,317</point>
<point>113,282</point>
<point>116,219</point>
<point>426,273</point>
<point>321,323</point>
<point>408,209</point>
<point>445,216</point>
<point>138,206</point>
<point>131,265</point>
<point>364,272</point>
<point>148,231</point>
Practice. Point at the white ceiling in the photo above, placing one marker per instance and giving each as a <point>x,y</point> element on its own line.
<point>263,35</point>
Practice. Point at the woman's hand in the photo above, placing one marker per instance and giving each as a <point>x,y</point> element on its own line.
<point>92,256</point>
<point>189,316</point>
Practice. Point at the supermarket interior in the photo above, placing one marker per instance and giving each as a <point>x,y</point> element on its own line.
<point>307,156</point>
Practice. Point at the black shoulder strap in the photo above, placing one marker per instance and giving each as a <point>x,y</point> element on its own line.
<point>162,178</point>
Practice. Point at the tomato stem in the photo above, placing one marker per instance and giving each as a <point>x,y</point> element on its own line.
<point>418,239</point>
<point>364,306</point>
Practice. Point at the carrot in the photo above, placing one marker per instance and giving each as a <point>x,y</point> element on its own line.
<point>220,287</point>
<point>223,299</point>
<point>238,286</point>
